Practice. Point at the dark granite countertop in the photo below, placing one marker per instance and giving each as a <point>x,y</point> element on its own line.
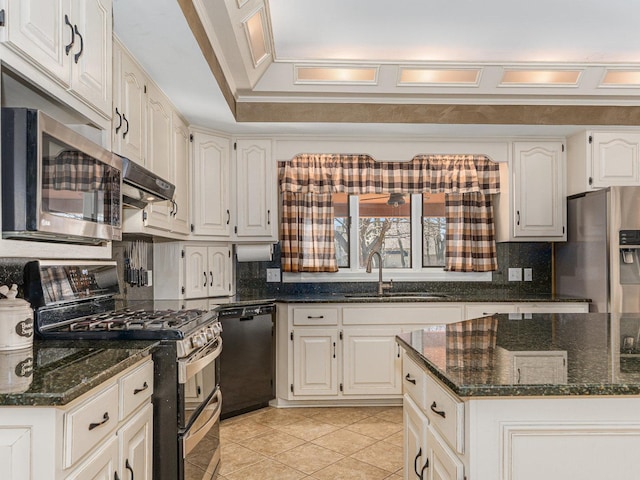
<point>369,297</point>
<point>64,370</point>
<point>474,357</point>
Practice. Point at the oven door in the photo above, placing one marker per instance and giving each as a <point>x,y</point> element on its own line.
<point>200,443</point>
<point>198,379</point>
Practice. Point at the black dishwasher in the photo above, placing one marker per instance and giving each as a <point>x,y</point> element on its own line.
<point>247,362</point>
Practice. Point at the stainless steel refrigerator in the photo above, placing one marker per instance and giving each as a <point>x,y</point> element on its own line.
<point>600,259</point>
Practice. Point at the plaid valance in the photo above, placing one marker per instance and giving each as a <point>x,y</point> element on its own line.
<point>308,181</point>
<point>358,174</point>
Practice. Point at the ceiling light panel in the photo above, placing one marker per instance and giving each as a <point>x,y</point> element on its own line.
<point>562,78</point>
<point>256,29</point>
<point>336,75</point>
<point>436,76</point>
<point>621,78</point>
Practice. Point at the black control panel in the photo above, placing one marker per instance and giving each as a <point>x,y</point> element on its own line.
<point>629,237</point>
<point>245,311</point>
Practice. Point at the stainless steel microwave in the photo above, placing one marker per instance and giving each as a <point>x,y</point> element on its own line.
<point>56,184</point>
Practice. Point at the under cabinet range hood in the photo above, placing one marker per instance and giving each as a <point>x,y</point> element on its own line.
<point>141,186</point>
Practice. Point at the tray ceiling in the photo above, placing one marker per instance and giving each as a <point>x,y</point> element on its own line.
<point>463,62</point>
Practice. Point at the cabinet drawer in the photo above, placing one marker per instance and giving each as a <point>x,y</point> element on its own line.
<point>90,422</point>
<point>315,316</point>
<point>135,388</point>
<point>445,412</point>
<point>413,380</point>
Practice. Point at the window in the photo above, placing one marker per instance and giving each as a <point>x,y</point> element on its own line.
<point>388,223</point>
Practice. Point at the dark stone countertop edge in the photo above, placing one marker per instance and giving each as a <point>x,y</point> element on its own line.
<point>543,390</point>
<point>53,399</point>
<point>448,298</point>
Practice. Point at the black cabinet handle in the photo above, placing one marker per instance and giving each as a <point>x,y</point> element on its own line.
<point>438,412</point>
<point>518,381</point>
<point>518,217</point>
<point>409,379</point>
<point>228,217</point>
<point>205,279</point>
<point>211,276</point>
<point>268,217</point>
<point>67,48</point>
<point>415,463</point>
<point>116,476</point>
<point>317,317</point>
<point>426,465</point>
<point>76,57</point>
<point>334,349</point>
<point>119,118</point>
<point>105,419</point>
<point>145,385</point>
<point>175,212</point>
<point>127,465</point>
<point>124,134</point>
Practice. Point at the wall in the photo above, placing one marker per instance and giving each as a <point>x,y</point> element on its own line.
<point>251,276</point>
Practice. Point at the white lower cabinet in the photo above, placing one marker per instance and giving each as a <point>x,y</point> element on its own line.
<point>315,361</point>
<point>372,363</point>
<point>443,463</point>
<point>105,434</point>
<point>415,440</point>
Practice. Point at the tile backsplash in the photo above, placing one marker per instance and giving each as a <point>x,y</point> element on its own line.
<point>251,276</point>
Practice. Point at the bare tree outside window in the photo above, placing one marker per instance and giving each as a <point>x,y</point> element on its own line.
<point>433,230</point>
<point>342,230</point>
<point>385,226</point>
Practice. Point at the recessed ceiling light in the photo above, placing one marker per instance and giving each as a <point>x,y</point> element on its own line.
<point>426,76</point>
<point>615,78</point>
<point>352,75</point>
<point>255,28</point>
<point>541,77</point>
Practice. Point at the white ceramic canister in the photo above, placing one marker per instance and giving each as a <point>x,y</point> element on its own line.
<point>16,324</point>
<point>16,370</point>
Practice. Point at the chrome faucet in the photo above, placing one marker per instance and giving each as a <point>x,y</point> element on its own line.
<point>382,286</point>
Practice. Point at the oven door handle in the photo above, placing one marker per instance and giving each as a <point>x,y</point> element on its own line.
<point>194,363</point>
<point>193,438</point>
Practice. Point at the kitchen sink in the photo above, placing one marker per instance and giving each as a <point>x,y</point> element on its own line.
<point>422,295</point>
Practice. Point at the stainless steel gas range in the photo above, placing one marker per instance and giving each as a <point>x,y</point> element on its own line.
<point>75,301</point>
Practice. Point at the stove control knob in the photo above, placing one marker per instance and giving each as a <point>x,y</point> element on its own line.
<point>209,333</point>
<point>196,341</point>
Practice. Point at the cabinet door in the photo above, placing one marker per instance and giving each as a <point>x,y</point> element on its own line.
<point>181,145</point>
<point>615,159</point>
<point>102,465</point>
<point>159,153</point>
<point>256,190</point>
<point>443,463</point>
<point>415,440</point>
<point>42,29</point>
<point>129,134</point>
<point>484,309</point>
<point>196,275</point>
<point>91,60</point>
<point>372,363</point>
<point>315,363</point>
<point>136,445</point>
<point>538,189</point>
<point>219,262</point>
<point>210,198</point>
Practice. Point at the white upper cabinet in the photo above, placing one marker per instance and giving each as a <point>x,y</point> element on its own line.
<point>531,203</point>
<point>159,154</point>
<point>256,192</point>
<point>598,159</point>
<point>70,40</point>
<point>129,106</point>
<point>181,167</point>
<point>211,185</point>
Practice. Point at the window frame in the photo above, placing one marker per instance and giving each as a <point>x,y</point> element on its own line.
<point>416,273</point>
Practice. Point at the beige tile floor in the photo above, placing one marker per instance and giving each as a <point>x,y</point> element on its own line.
<point>345,443</point>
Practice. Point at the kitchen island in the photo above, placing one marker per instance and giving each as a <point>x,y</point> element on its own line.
<point>503,397</point>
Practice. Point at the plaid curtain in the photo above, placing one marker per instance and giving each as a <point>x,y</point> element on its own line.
<point>72,170</point>
<point>470,349</point>
<point>470,240</point>
<point>306,233</point>
<point>321,174</point>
